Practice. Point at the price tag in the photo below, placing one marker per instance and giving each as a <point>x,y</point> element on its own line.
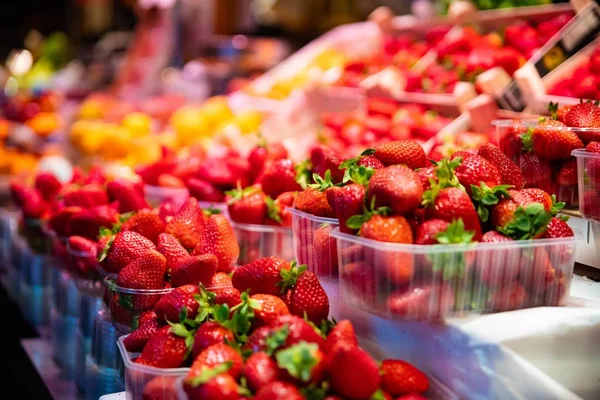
<point>578,33</point>
<point>511,98</point>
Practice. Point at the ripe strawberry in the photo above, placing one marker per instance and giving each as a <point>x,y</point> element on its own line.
<point>307,296</point>
<point>521,218</point>
<point>423,302</point>
<point>313,202</point>
<point>352,372</point>
<point>584,115</point>
<point>561,112</point>
<point>85,196</point>
<point>188,224</point>
<point>260,276</point>
<point>509,297</point>
<point>260,370</point>
<point>147,223</point>
<point>247,206</point>
<point>165,349</point>
<point>494,237</point>
<point>203,190</point>
<point>302,363</point>
<point>160,388</point>
<point>474,169</point>
<point>349,201</point>
<point>168,308</point>
<point>568,173</point>
<point>146,272</point>
<point>399,377</point>
<point>60,220</point>
<point>406,152</point>
<point>453,204</point>
<point>214,385</point>
<point>129,198</point>
<point>427,232</point>
<point>277,213</point>
<point>411,396</point>
<point>225,293</point>
<point>168,246</point>
<point>536,172</point>
<point>88,221</point>
<point>370,162</point>
<point>267,308</point>
<point>219,239</point>
<point>552,141</point>
<point>122,249</point>
<point>510,173</point>
<point>215,355</point>
<point>528,196</point>
<point>261,154</point>
<point>279,390</point>
<point>342,332</point>
<point>558,228</point>
<point>210,333</point>
<point>194,270</point>
<point>47,185</point>
<point>327,162</point>
<point>392,229</point>
<point>298,330</point>
<point>137,339</point>
<point>425,174</point>
<point>83,255</point>
<point>593,147</point>
<point>28,199</point>
<point>397,187</point>
<point>146,317</point>
<point>321,254</point>
<point>278,177</point>
<point>169,181</point>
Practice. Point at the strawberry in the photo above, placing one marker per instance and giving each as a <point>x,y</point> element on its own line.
<point>89,221</point>
<point>584,115</point>
<point>330,162</point>
<point>423,302</point>
<point>509,297</point>
<point>219,239</point>
<point>399,377</point>
<point>224,291</point>
<point>278,177</point>
<point>307,297</point>
<point>593,147</point>
<point>129,198</point>
<point>169,307</point>
<point>298,330</point>
<point>494,237</point>
<point>427,232</point>
<point>391,229</point>
<point>552,141</point>
<point>165,349</point>
<point>160,388</point>
<point>302,363</point>
<point>60,221</point>
<point>123,248</point>
<point>210,333</point>
<point>137,339</point>
<point>188,224</point>
<point>278,390</point>
<point>370,162</point>
<point>520,222</point>
<point>528,196</point>
<point>215,355</point>
<point>150,173</point>
<point>452,204</point>
<point>425,174</point>
<point>536,171</point>
<point>83,255</point>
<point>314,202</point>
<point>95,175</point>
<point>247,206</point>
<point>397,187</point>
<point>212,384</point>
<point>407,152</point>
<point>510,173</point>
<point>47,185</point>
<point>194,270</point>
<point>411,396</point>
<point>474,170</point>
<point>147,223</point>
<point>261,154</point>
<point>348,202</point>
<point>28,199</point>
<point>260,276</point>
<point>267,308</point>
<point>260,370</point>
<point>169,181</point>
<point>568,173</point>
<point>342,332</point>
<point>558,228</point>
<point>85,196</point>
<point>322,252</point>
<point>277,213</point>
<point>559,113</point>
<point>352,372</point>
<point>146,272</point>
<point>168,246</point>
<point>146,317</point>
<point>203,190</point>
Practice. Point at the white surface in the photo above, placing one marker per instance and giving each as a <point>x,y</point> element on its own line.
<point>113,396</point>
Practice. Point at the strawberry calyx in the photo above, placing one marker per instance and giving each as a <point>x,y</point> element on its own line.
<point>303,173</point>
<point>378,395</point>
<point>486,196</point>
<point>556,206</point>
<point>211,211</point>
<point>444,172</point>
<point>455,233</point>
<point>322,183</point>
<point>180,329</point>
<point>104,253</point>
<point>315,391</point>
<point>290,276</point>
<point>207,374</point>
<point>241,319</point>
<point>357,221</point>
<point>299,360</point>
<point>206,301</point>
<point>356,173</point>
<point>527,140</point>
<point>453,263</point>
<point>238,194</point>
<point>116,228</point>
<point>273,211</point>
<point>528,222</point>
<point>553,110</point>
<point>277,339</point>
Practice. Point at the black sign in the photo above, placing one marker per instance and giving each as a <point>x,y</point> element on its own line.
<point>511,98</point>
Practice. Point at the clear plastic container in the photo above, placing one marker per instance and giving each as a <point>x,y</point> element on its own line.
<point>155,195</point>
<point>84,348</point>
<point>313,244</point>
<point>104,342</point>
<point>588,178</point>
<point>126,305</point>
<point>90,302</point>
<point>259,241</point>
<point>539,172</point>
<point>64,342</point>
<point>141,380</point>
<point>84,265</point>
<point>417,282</point>
<point>100,380</point>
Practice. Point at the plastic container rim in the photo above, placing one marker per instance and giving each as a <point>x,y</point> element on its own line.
<point>583,153</point>
<point>323,220</point>
<point>533,123</point>
<point>111,282</point>
<point>261,228</point>
<point>146,368</point>
<point>161,190</point>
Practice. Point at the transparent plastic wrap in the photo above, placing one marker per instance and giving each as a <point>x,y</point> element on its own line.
<point>588,179</point>
<point>259,241</point>
<point>418,282</point>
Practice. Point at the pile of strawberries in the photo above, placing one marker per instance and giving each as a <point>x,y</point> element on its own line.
<point>393,194</point>
<point>543,150</point>
<point>591,178</point>
<point>583,82</point>
<point>273,344</point>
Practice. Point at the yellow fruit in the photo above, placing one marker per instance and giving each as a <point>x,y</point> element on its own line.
<point>216,110</point>
<point>189,123</point>
<point>248,122</point>
<point>92,109</point>
<point>44,123</point>
<point>139,124</point>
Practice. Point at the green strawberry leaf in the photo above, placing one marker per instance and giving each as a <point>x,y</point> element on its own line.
<point>455,234</point>
<point>211,211</point>
<point>126,301</point>
<point>104,253</point>
<point>357,221</point>
<point>273,210</point>
<point>484,197</point>
<point>208,374</point>
<point>527,223</point>
<point>277,339</point>
<point>303,173</point>
<point>556,206</point>
<point>315,391</point>
<point>321,184</point>
<point>239,193</point>
<point>378,395</point>
<point>527,140</point>
<point>179,330</point>
<point>553,110</point>
<point>290,276</point>
<point>299,360</point>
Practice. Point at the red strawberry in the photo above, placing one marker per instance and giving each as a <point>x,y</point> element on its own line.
<point>216,386</point>
<point>352,372</point>
<point>397,187</point>
<point>298,330</point>
<point>219,239</point>
<point>406,152</point>
<point>425,174</point>
<point>129,198</point>
<point>494,237</point>
<point>342,332</point>
<point>247,206</point>
<point>453,204</point>
<point>86,196</point>
<point>215,355</point>
<point>260,370</point>
<point>267,308</point>
<point>313,202</point>
<point>160,388</point>
<point>188,224</point>
<point>168,246</point>
<point>370,162</point>
<point>474,169</point>
<point>194,270</point>
<point>137,339</point>
<point>392,229</point>
<point>89,221</point>
<point>558,228</point>
<point>593,147</point>
<point>226,294</point>
<point>349,201</point>
<point>169,181</point>
<point>423,302</point>
<point>412,396</point>
<point>210,333</point>
<point>307,297</point>
<point>553,142</point>
<point>510,173</point>
<point>525,216</point>
<point>278,177</point>
<point>123,248</point>
<point>165,349</point>
<point>427,232</point>
<point>169,306</point>
<point>203,190</point>
<point>150,173</point>
<point>83,255</point>
<point>323,252</point>
<point>561,112</point>
<point>279,391</point>
<point>302,363</point>
<point>399,377</point>
<point>147,223</point>
<point>536,172</point>
<point>568,173</point>
<point>146,272</point>
<point>260,276</point>
<point>29,200</point>
<point>277,210</point>
<point>47,185</point>
<point>509,297</point>
<point>584,115</point>
<point>60,221</point>
<point>95,175</point>
<point>330,162</point>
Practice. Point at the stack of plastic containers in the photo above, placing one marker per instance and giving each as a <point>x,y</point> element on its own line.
<point>588,170</point>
